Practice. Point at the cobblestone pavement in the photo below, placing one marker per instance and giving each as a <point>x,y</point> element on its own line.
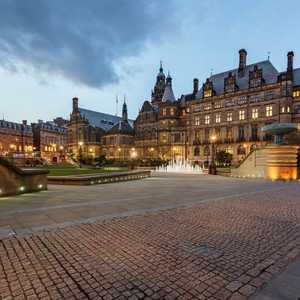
<point>225,249</point>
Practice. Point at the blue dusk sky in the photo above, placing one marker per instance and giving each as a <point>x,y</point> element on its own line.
<point>53,50</point>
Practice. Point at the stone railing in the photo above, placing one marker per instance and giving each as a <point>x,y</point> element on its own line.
<point>14,180</point>
<point>98,178</point>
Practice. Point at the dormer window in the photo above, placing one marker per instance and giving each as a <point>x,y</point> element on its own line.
<point>255,77</point>
<point>230,83</point>
<point>208,89</point>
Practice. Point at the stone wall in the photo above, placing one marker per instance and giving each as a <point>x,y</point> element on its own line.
<point>14,180</point>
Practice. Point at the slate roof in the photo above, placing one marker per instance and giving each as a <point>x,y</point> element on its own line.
<point>168,94</point>
<point>270,74</point>
<point>297,76</point>
<point>101,120</point>
<point>122,127</point>
<point>147,107</point>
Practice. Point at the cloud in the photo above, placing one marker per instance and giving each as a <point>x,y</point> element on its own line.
<point>79,40</point>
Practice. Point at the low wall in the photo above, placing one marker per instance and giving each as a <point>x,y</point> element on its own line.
<point>14,180</point>
<point>98,179</point>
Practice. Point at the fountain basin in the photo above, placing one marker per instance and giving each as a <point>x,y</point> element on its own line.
<point>278,130</point>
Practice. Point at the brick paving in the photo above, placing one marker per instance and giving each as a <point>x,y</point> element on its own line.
<point>224,249</point>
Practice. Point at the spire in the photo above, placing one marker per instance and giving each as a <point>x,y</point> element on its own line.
<point>168,93</point>
<point>124,110</point>
<point>161,71</point>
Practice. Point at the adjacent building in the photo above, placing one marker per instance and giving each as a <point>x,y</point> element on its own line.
<point>16,139</point>
<point>91,133</point>
<point>50,140</point>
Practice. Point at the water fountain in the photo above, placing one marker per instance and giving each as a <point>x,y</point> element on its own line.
<point>180,166</point>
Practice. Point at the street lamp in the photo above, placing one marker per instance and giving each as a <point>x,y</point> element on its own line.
<point>212,167</point>
<point>80,152</point>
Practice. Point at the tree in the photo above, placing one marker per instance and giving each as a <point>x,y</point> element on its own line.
<point>223,157</point>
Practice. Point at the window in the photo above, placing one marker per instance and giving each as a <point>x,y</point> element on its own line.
<point>217,104</point>
<point>164,111</point>
<point>207,93</point>
<point>254,132</point>
<point>206,151</point>
<point>172,111</point>
<point>207,119</point>
<point>296,94</point>
<point>241,150</point>
<point>218,118</point>
<point>269,111</point>
<point>288,109</point>
<point>197,120</point>
<point>207,106</point>
<point>241,115</point>
<point>283,109</point>
<point>196,151</point>
<point>241,134</point>
<point>229,116</point>
<point>254,113</point>
<point>229,134</point>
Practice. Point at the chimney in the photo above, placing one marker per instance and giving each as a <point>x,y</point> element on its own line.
<point>242,62</point>
<point>290,59</point>
<point>75,104</point>
<point>196,86</point>
<point>24,122</point>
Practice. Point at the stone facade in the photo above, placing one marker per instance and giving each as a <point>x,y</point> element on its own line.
<point>50,141</point>
<point>15,139</point>
<point>226,113</point>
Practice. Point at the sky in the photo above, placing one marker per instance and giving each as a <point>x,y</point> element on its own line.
<point>53,50</point>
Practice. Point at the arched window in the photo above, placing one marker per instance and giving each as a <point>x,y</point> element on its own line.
<point>196,151</point>
<point>206,150</point>
<point>241,150</point>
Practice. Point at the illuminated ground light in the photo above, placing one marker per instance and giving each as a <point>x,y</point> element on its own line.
<point>40,186</point>
<point>22,188</point>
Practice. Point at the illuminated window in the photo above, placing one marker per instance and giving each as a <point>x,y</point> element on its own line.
<point>207,106</point>
<point>241,115</point>
<point>207,119</point>
<point>207,93</point>
<point>283,109</point>
<point>288,109</point>
<point>164,111</point>
<point>197,121</point>
<point>254,113</point>
<point>218,118</point>
<point>217,104</point>
<point>269,111</point>
<point>229,116</point>
<point>172,111</point>
<point>296,94</point>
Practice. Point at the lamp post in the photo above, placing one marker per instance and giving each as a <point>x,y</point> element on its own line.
<point>80,153</point>
<point>212,167</point>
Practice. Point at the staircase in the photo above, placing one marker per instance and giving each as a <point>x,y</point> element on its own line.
<point>253,166</point>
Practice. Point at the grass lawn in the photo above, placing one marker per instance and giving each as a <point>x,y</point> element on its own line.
<point>69,170</point>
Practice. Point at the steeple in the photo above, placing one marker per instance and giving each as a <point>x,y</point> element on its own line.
<point>124,111</point>
<point>159,87</point>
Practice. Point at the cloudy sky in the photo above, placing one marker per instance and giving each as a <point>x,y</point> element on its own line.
<point>53,50</point>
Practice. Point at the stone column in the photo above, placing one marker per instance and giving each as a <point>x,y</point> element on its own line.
<point>282,162</point>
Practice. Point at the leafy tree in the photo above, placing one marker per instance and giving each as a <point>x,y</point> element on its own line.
<point>223,158</point>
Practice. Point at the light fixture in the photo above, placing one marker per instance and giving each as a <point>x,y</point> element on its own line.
<point>22,188</point>
<point>40,186</point>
